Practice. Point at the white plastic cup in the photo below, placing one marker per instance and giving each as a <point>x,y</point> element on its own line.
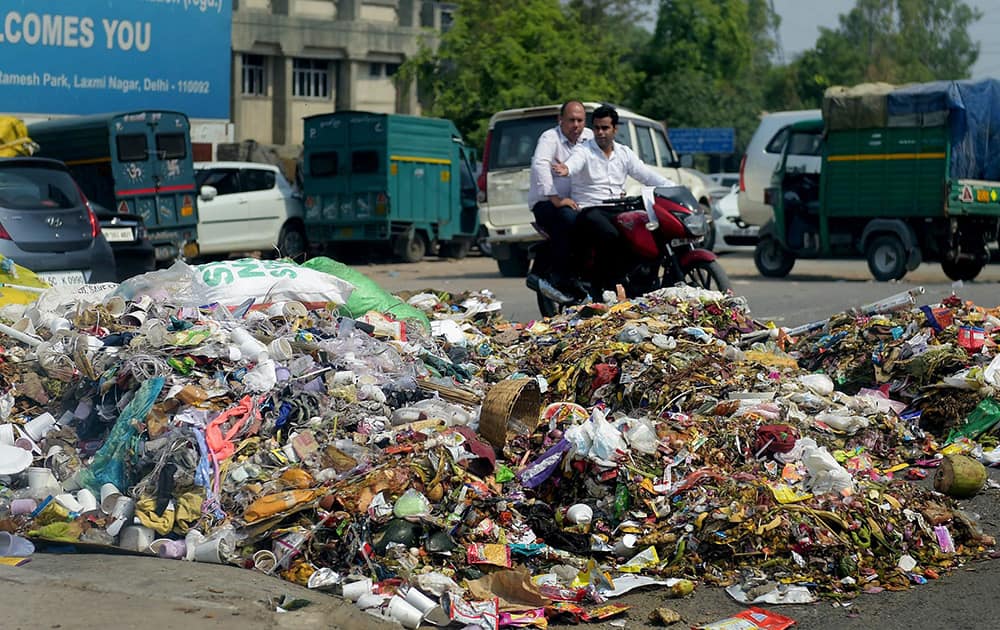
<point>134,318</point>
<point>109,494</point>
<point>136,537</point>
<point>580,514</point>
<point>155,332</point>
<point>404,612</point>
<point>280,349</point>
<point>264,561</point>
<point>287,309</point>
<point>7,434</point>
<point>249,347</point>
<point>142,304</point>
<point>41,482</point>
<point>15,546</point>
<point>39,426</point>
<point>115,306</point>
<point>69,502</point>
<point>416,598</point>
<point>369,600</point>
<point>121,515</point>
<point>214,550</point>
<point>87,501</point>
<point>626,547</point>
<point>355,590</point>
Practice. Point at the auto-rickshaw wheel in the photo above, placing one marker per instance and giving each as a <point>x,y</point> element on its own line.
<point>886,257</point>
<point>772,260</point>
<point>963,270</point>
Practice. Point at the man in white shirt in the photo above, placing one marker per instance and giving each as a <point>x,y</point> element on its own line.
<point>597,172</point>
<point>550,197</point>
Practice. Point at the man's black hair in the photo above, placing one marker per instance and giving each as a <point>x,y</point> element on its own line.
<point>606,111</point>
<point>562,110</point>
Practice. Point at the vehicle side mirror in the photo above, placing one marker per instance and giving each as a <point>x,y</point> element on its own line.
<point>208,193</point>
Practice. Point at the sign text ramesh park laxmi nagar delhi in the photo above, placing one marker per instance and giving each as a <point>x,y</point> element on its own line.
<point>95,56</point>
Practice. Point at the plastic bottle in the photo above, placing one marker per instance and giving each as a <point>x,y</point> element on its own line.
<point>621,501</point>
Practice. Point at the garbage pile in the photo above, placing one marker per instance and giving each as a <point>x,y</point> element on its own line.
<point>436,464</point>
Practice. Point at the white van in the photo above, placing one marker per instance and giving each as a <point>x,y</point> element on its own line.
<point>760,160</point>
<point>503,182</point>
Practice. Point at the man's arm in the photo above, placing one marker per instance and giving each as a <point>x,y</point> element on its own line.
<point>638,170</point>
<point>541,163</point>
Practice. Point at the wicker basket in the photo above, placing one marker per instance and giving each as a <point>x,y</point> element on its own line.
<point>510,405</point>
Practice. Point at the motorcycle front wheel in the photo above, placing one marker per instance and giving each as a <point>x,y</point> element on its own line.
<point>707,275</point>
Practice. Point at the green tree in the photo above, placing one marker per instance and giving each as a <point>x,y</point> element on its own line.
<point>499,55</point>
<point>706,62</point>
<point>896,41</point>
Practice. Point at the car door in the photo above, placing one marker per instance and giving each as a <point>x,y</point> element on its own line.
<point>265,206</point>
<point>222,220</point>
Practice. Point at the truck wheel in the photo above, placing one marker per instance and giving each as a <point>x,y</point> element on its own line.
<point>963,270</point>
<point>516,266</point>
<point>458,249</point>
<point>292,242</point>
<point>772,260</point>
<point>886,257</point>
<point>707,275</point>
<point>412,246</point>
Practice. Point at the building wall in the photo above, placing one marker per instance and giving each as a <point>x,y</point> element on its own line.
<point>359,42</point>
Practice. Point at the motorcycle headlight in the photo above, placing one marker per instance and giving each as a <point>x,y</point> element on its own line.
<point>696,224</point>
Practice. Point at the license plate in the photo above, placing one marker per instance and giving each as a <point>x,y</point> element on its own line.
<point>63,278</point>
<point>118,234</point>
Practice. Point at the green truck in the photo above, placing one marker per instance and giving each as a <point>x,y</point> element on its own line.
<point>136,163</point>
<point>405,182</point>
<point>895,175</point>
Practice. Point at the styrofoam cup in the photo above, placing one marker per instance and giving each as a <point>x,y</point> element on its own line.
<point>249,347</point>
<point>41,482</point>
<point>7,434</point>
<point>287,309</point>
<point>280,349</point>
<point>134,318</point>
<point>121,515</point>
<point>580,514</point>
<point>264,561</point>
<point>37,427</point>
<point>626,547</point>
<point>87,500</point>
<point>354,590</point>
<point>15,546</point>
<point>416,598</point>
<point>69,502</point>
<point>115,305</point>
<point>404,612</point>
<point>215,550</point>
<point>109,494</point>
<point>136,537</point>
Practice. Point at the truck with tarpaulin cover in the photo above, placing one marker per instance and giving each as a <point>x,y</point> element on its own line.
<point>897,175</point>
<point>136,163</point>
<point>392,179</point>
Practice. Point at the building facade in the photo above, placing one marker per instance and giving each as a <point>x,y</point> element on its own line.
<point>296,58</point>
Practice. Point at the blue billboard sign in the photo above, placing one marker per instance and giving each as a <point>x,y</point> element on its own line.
<point>95,56</point>
<point>703,139</point>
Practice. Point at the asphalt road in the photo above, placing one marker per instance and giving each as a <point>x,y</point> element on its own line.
<point>814,290</point>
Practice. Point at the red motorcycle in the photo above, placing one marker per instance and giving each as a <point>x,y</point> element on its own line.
<point>671,243</point>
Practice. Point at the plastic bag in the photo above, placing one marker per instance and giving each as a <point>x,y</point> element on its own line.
<point>825,474</point>
<point>108,465</point>
<point>818,383</point>
<point>367,295</point>
<point>231,282</point>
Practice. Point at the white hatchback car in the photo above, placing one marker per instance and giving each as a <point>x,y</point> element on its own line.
<point>248,206</point>
<point>762,156</point>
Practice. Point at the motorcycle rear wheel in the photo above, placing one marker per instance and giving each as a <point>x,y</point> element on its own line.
<point>707,275</point>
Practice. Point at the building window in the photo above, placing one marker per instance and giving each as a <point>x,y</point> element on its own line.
<point>311,78</point>
<point>379,70</point>
<point>447,19</point>
<point>254,77</point>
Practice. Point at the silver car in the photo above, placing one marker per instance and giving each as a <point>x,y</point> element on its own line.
<point>47,225</point>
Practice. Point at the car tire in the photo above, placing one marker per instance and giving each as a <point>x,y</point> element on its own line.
<point>771,259</point>
<point>886,257</point>
<point>963,270</point>
<point>516,266</point>
<point>457,249</point>
<point>292,242</point>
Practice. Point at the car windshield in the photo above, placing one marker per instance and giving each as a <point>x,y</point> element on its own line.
<point>37,187</point>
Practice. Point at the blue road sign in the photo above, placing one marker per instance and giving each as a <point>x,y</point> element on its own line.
<point>96,56</point>
<point>720,140</point>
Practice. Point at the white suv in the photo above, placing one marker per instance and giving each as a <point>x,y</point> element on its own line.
<point>762,156</point>
<point>248,206</point>
<point>503,182</point>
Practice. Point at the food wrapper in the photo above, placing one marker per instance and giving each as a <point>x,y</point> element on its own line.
<point>524,619</point>
<point>479,614</point>
<point>497,555</point>
<point>647,559</point>
<point>751,619</point>
<point>603,612</point>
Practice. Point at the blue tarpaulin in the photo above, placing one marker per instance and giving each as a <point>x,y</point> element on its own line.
<point>972,109</point>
